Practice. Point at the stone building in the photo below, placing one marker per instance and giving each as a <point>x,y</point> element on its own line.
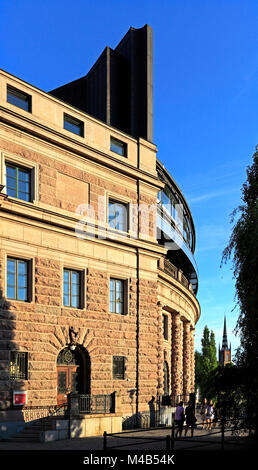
<point>98,276</point>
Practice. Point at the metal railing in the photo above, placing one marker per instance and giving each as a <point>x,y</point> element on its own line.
<point>224,438</point>
<point>96,404</point>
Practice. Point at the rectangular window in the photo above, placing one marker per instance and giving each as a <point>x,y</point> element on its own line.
<point>165,327</point>
<point>17,279</point>
<point>119,367</point>
<point>72,288</point>
<point>19,365</point>
<point>73,125</point>
<point>18,182</point>
<point>117,296</point>
<point>118,215</point>
<point>118,147</point>
<point>18,98</point>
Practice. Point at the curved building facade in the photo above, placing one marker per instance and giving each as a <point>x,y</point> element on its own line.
<point>98,276</point>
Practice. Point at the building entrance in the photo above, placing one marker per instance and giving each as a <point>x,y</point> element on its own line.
<point>73,373</point>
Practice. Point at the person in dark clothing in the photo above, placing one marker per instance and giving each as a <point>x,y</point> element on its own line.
<point>190,418</point>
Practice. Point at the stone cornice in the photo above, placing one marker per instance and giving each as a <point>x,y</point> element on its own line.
<point>57,139</point>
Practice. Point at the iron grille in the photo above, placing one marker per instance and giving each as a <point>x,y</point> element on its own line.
<point>19,365</point>
<point>95,404</point>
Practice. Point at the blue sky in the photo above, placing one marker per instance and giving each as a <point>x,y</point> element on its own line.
<point>205,101</point>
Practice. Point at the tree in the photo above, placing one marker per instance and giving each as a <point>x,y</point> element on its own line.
<point>205,362</point>
<point>243,249</point>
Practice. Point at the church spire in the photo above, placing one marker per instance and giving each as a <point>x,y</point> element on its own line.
<point>225,338</point>
<point>225,351</point>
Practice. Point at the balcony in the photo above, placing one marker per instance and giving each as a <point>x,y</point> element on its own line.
<point>169,268</point>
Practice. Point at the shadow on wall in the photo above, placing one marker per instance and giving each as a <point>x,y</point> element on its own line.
<point>144,419</point>
<point>11,415</point>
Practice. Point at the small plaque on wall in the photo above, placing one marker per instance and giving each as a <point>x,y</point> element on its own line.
<point>20,397</point>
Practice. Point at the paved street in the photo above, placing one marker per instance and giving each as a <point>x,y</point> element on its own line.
<point>144,440</point>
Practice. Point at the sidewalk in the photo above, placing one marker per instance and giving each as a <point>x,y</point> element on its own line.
<point>151,440</point>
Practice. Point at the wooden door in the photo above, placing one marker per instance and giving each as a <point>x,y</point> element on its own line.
<point>67,381</point>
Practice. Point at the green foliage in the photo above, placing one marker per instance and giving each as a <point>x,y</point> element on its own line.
<point>205,362</point>
<point>243,249</point>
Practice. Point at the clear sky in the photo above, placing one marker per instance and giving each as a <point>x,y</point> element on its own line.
<point>205,101</point>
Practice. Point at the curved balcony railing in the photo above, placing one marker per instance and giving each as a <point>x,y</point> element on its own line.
<point>169,268</point>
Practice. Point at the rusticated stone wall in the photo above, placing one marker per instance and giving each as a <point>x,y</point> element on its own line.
<point>148,342</point>
<point>41,326</point>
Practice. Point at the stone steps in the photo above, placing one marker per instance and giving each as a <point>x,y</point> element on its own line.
<point>33,432</point>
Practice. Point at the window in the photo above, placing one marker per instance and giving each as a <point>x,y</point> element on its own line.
<point>73,125</point>
<point>165,327</point>
<point>18,98</point>
<point>166,378</point>
<point>187,232</point>
<point>17,279</point>
<point>118,147</point>
<point>119,367</point>
<point>18,182</point>
<point>118,215</point>
<point>19,365</point>
<point>169,202</point>
<point>71,288</point>
<point>117,296</point>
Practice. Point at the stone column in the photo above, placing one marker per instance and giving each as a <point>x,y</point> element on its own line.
<point>192,332</point>
<point>160,350</point>
<point>187,358</point>
<point>176,355</point>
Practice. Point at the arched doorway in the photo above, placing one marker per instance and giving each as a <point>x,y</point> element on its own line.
<point>73,373</point>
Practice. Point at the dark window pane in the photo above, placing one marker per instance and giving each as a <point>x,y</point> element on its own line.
<point>118,147</point>
<point>19,365</point>
<point>62,382</point>
<point>73,125</point>
<point>118,367</point>
<point>19,98</point>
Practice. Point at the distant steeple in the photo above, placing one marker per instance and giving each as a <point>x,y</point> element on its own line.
<point>225,351</point>
<point>225,338</point>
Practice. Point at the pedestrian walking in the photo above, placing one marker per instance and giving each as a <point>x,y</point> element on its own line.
<point>179,418</point>
<point>209,415</point>
<point>190,418</point>
<point>203,411</point>
<point>215,419</point>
